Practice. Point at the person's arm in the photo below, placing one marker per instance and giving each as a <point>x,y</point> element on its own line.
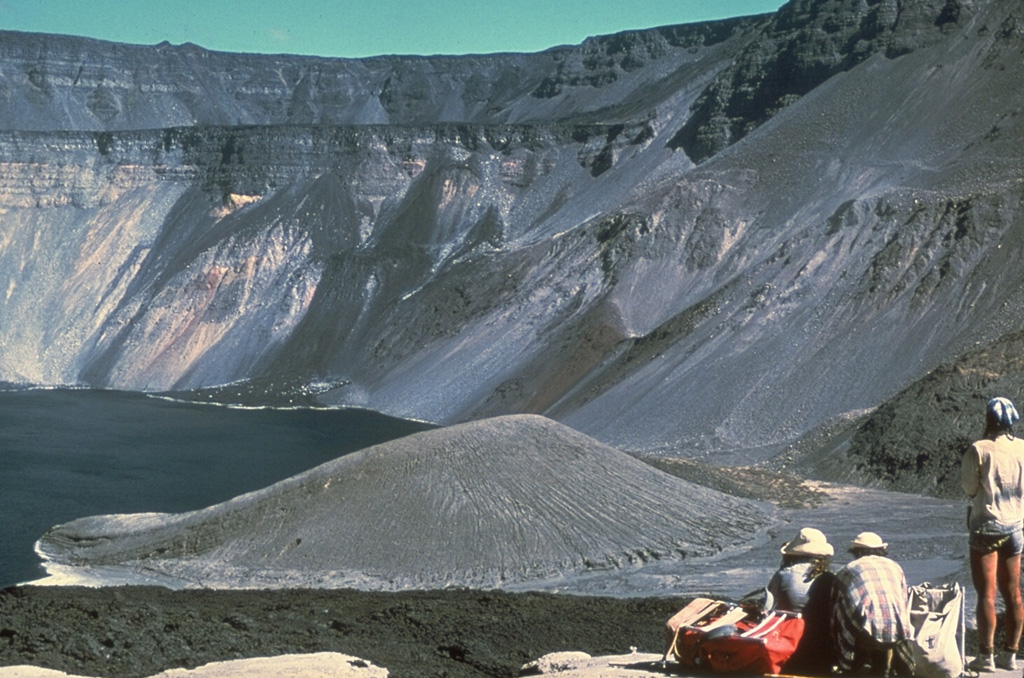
<point>775,585</point>
<point>969,471</point>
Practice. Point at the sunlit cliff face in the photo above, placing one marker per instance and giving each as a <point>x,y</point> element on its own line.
<point>693,239</point>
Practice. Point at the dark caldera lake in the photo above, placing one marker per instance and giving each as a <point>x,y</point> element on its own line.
<point>69,453</point>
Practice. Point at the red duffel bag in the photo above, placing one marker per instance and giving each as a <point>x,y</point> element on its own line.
<point>728,638</point>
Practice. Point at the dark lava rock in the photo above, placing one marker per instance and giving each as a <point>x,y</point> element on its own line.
<point>914,442</point>
<point>138,631</point>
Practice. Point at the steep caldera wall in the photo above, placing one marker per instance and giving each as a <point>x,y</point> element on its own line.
<point>852,234</point>
<point>62,83</point>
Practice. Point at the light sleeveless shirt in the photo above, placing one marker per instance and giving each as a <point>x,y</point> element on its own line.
<point>992,474</point>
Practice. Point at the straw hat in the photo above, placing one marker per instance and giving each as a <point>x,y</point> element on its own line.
<point>808,542</point>
<point>867,540</point>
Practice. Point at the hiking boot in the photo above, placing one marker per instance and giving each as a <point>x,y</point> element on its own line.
<point>1007,660</point>
<point>983,663</point>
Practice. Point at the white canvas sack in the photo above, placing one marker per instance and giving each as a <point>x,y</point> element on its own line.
<point>937,615</point>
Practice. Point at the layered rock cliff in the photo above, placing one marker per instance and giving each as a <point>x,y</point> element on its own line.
<point>696,239</point>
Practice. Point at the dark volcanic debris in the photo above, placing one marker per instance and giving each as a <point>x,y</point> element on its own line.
<point>139,631</point>
<point>914,442</point>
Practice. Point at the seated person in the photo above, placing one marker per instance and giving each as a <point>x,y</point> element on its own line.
<point>804,558</point>
<point>870,620</point>
<point>815,654</point>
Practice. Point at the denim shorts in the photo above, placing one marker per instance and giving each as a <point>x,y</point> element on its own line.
<point>1007,545</point>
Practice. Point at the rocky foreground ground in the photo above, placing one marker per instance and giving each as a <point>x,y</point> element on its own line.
<point>139,631</point>
<point>131,632</point>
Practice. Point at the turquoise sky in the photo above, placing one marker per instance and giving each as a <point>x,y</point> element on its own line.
<point>359,28</point>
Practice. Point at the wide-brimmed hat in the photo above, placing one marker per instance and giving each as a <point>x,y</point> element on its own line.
<point>867,540</point>
<point>808,542</point>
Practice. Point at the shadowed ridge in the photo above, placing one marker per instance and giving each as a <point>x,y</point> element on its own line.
<point>489,503</point>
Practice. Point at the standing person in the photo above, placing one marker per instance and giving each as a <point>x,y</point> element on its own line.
<point>804,558</point>
<point>992,475</point>
<point>871,621</point>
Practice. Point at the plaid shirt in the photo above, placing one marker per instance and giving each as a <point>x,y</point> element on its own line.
<point>871,603</point>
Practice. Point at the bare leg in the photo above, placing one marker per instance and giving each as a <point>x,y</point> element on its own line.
<point>983,574</point>
<point>1008,578</point>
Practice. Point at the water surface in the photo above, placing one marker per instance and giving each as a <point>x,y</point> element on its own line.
<point>69,453</point>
